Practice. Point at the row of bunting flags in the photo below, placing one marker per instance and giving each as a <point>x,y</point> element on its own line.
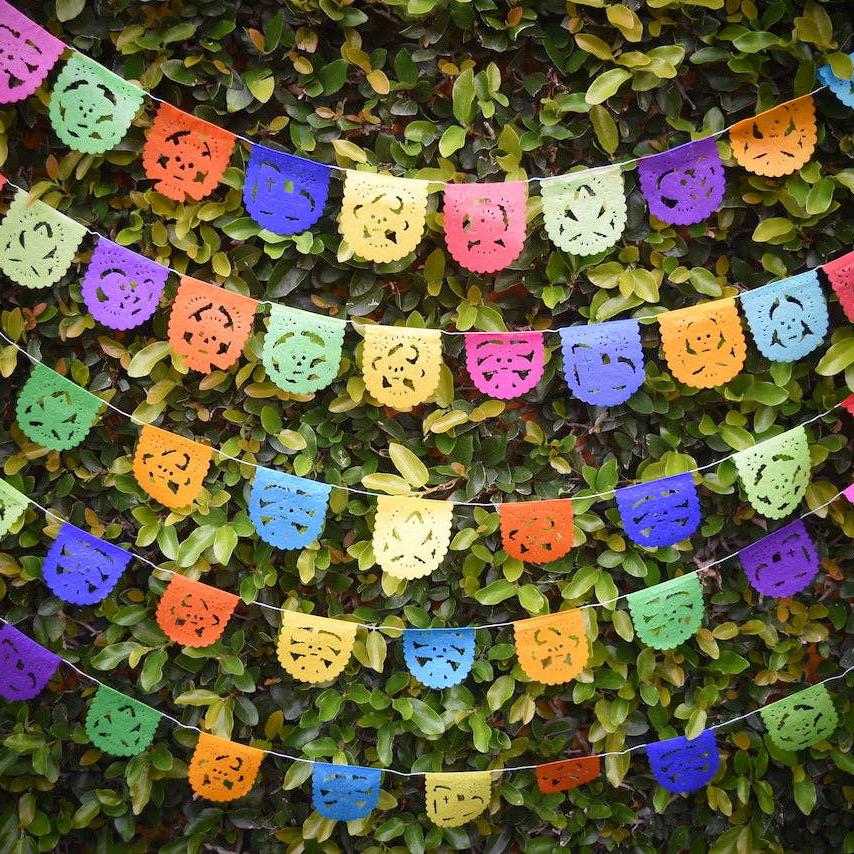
<point>383,217</point>
<point>83,569</point>
<point>222,770</point>
<point>603,363</point>
<point>412,534</point>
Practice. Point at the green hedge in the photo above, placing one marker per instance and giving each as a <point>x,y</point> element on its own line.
<point>433,87</point>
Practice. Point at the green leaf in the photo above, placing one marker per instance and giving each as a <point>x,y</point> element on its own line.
<point>143,361</point>
<point>427,722</point>
<point>605,128</point>
<point>606,85</point>
<point>67,10</point>
<point>452,140</point>
<point>463,98</point>
<point>407,463</point>
<point>496,592</point>
<point>837,358</point>
<point>775,229</point>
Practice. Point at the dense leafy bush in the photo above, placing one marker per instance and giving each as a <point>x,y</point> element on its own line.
<point>432,88</point>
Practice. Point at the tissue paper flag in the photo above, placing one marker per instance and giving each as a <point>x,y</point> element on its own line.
<point>552,648</point>
<point>778,141</point>
<point>456,798</point>
<point>411,535</point>
<point>194,614</point>
<point>13,505</point>
<point>314,649</point>
<point>660,512</point>
<point>843,89</point>
<point>586,214</point>
<point>567,774</point>
<point>119,725</point>
<point>783,563</point>
<point>505,365</point>
<point>841,275</point>
<point>27,54</point>
<point>169,467</point>
<point>25,666</point>
<point>801,720</point>
<point>37,242</point>
<point>537,531</point>
<point>681,765</point>
<point>121,288</point>
<point>669,613</point>
<point>344,793</point>
<point>439,658</point>
<point>684,185</point>
<point>222,770</point>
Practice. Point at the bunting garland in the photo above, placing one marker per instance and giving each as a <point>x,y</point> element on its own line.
<point>221,770</point>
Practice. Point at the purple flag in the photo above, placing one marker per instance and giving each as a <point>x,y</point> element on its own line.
<point>681,765</point>
<point>783,563</point>
<point>660,512</point>
<point>25,666</point>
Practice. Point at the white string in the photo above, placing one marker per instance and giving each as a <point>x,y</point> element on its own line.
<point>581,496</point>
<point>503,770</point>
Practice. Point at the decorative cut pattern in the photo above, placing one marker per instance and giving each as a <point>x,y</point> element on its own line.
<point>843,89</point>
<point>344,792</point>
<point>567,774</point>
<point>411,535</point>
<point>169,467</point>
<point>552,648</point>
<point>661,512</point>
<point>505,364</point>
<point>53,411</point>
<point>91,108</point>
<point>776,142</point>
<point>184,155</point>
<point>668,613</point>
<point>288,512</point>
<point>83,569</point>
<point>194,614</point>
<point>27,54</point>
<point>222,770</point>
<point>603,362</point>
<point>788,318</point>
<point>382,217</point>
<point>585,215</point>
<point>25,666</point>
<point>302,351</point>
<point>122,288</point>
<point>680,765</point>
<point>439,658</point>
<point>283,193</point>
<point>537,531</point>
<point>684,185</point>
<point>401,366</point>
<point>776,473</point>
<point>13,505</point>
<point>704,344</point>
<point>37,242</point>
<point>456,798</point>
<point>485,224</point>
<point>119,725</point>
<point>841,275</point>
<point>783,563</point>
<point>315,649</point>
<point>801,720</point>
<point>209,325</point>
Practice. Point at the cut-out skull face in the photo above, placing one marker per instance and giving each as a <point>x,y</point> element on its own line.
<point>119,725</point>
<point>439,657</point>
<point>567,774</point>
<point>840,273</point>
<point>12,506</point>
<point>314,649</point>
<point>25,666</point>
<point>537,531</point>
<point>801,720</point>
<point>669,613</point>
<point>194,614</point>
<point>661,512</point>
<point>27,53</point>
<point>222,770</point>
<point>681,765</point>
<point>454,799</point>
<point>783,563</point>
<point>505,365</point>
<point>552,648</point>
<point>343,793</point>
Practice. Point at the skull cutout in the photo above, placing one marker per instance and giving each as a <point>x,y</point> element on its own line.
<point>552,648</point>
<point>585,215</point>
<point>841,87</point>
<point>801,720</point>
<point>456,798</point>
<point>668,613</point>
<point>344,793</point>
<point>537,531</point>
<point>25,666</point>
<point>704,345</point>
<point>401,366</point>
<point>661,512</point>
<point>776,473</point>
<point>485,224</point>
<point>121,288</point>
<point>382,217</point>
<point>209,325</point>
<point>169,467</point>
<point>186,156</point>
<point>91,108</point>
<point>411,535</point>
<point>288,512</point>
<point>283,193</point>
<point>83,569</point>
<point>302,350</point>
<point>314,649</point>
<point>783,563</point>
<point>788,318</point>
<point>685,185</point>
<point>194,614</point>
<point>778,141</point>
<point>13,505</point>
<point>27,54</point>
<point>505,364</point>
<point>567,774</point>
<point>680,765</point>
<point>53,411</point>
<point>37,243</point>
<point>439,658</point>
<point>119,725</point>
<point>222,770</point>
<point>840,273</point>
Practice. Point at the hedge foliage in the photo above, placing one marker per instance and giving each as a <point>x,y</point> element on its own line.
<point>433,88</point>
